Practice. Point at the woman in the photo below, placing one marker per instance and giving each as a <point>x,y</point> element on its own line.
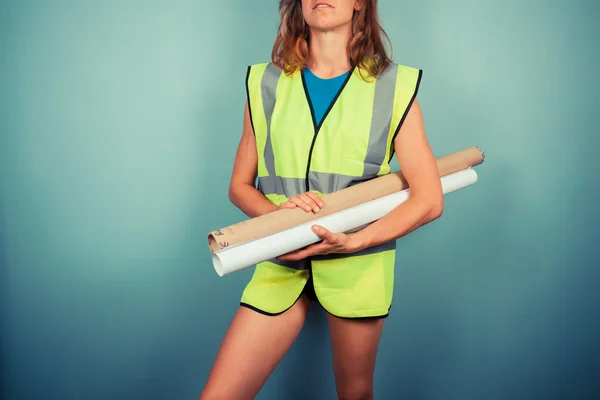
<point>328,112</point>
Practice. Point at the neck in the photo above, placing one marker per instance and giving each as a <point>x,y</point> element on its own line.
<point>329,52</point>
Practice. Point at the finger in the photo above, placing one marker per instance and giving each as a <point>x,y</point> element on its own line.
<point>312,250</point>
<point>319,248</point>
<point>293,256</point>
<point>286,255</point>
<point>300,203</point>
<point>325,234</point>
<point>287,204</point>
<point>310,201</point>
<point>316,198</point>
<point>298,254</point>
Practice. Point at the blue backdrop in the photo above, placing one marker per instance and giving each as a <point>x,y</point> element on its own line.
<point>118,129</point>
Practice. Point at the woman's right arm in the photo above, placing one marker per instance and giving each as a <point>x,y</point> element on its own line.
<point>242,192</point>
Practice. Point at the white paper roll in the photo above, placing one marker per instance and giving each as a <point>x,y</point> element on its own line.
<point>243,255</point>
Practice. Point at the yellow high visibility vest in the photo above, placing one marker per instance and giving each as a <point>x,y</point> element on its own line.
<point>352,144</point>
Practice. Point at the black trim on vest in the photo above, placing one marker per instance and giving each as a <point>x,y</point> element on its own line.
<point>410,103</point>
<point>310,106</point>
<point>317,128</point>
<point>258,310</point>
<point>361,318</point>
<point>248,99</point>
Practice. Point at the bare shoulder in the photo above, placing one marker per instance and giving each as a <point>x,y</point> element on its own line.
<point>412,125</point>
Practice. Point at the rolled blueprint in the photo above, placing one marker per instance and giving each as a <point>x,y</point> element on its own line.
<point>242,255</point>
<point>283,219</point>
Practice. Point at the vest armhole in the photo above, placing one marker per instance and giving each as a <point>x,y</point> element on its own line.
<point>410,103</point>
<point>248,99</point>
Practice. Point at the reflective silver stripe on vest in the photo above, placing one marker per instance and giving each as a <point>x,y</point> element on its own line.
<point>327,183</point>
<point>287,187</point>
<point>383,109</point>
<point>268,89</point>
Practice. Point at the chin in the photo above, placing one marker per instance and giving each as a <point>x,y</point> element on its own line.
<point>322,27</point>
<point>325,25</point>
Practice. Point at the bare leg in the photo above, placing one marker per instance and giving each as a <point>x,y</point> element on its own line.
<point>251,349</point>
<point>354,344</point>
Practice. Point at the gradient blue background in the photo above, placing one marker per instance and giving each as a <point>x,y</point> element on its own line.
<point>118,129</point>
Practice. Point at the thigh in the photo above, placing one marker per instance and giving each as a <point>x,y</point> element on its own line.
<point>252,347</point>
<point>354,344</point>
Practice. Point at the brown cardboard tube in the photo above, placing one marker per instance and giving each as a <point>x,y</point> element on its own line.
<point>283,219</point>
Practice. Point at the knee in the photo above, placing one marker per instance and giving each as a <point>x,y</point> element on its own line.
<point>355,391</point>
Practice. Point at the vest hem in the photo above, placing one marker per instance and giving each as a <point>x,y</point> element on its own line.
<point>366,317</point>
<point>258,310</point>
<point>358,318</point>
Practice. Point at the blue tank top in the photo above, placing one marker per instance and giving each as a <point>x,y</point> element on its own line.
<point>322,91</point>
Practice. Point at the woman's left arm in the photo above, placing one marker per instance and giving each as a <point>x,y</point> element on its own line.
<point>419,167</point>
<point>425,202</point>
